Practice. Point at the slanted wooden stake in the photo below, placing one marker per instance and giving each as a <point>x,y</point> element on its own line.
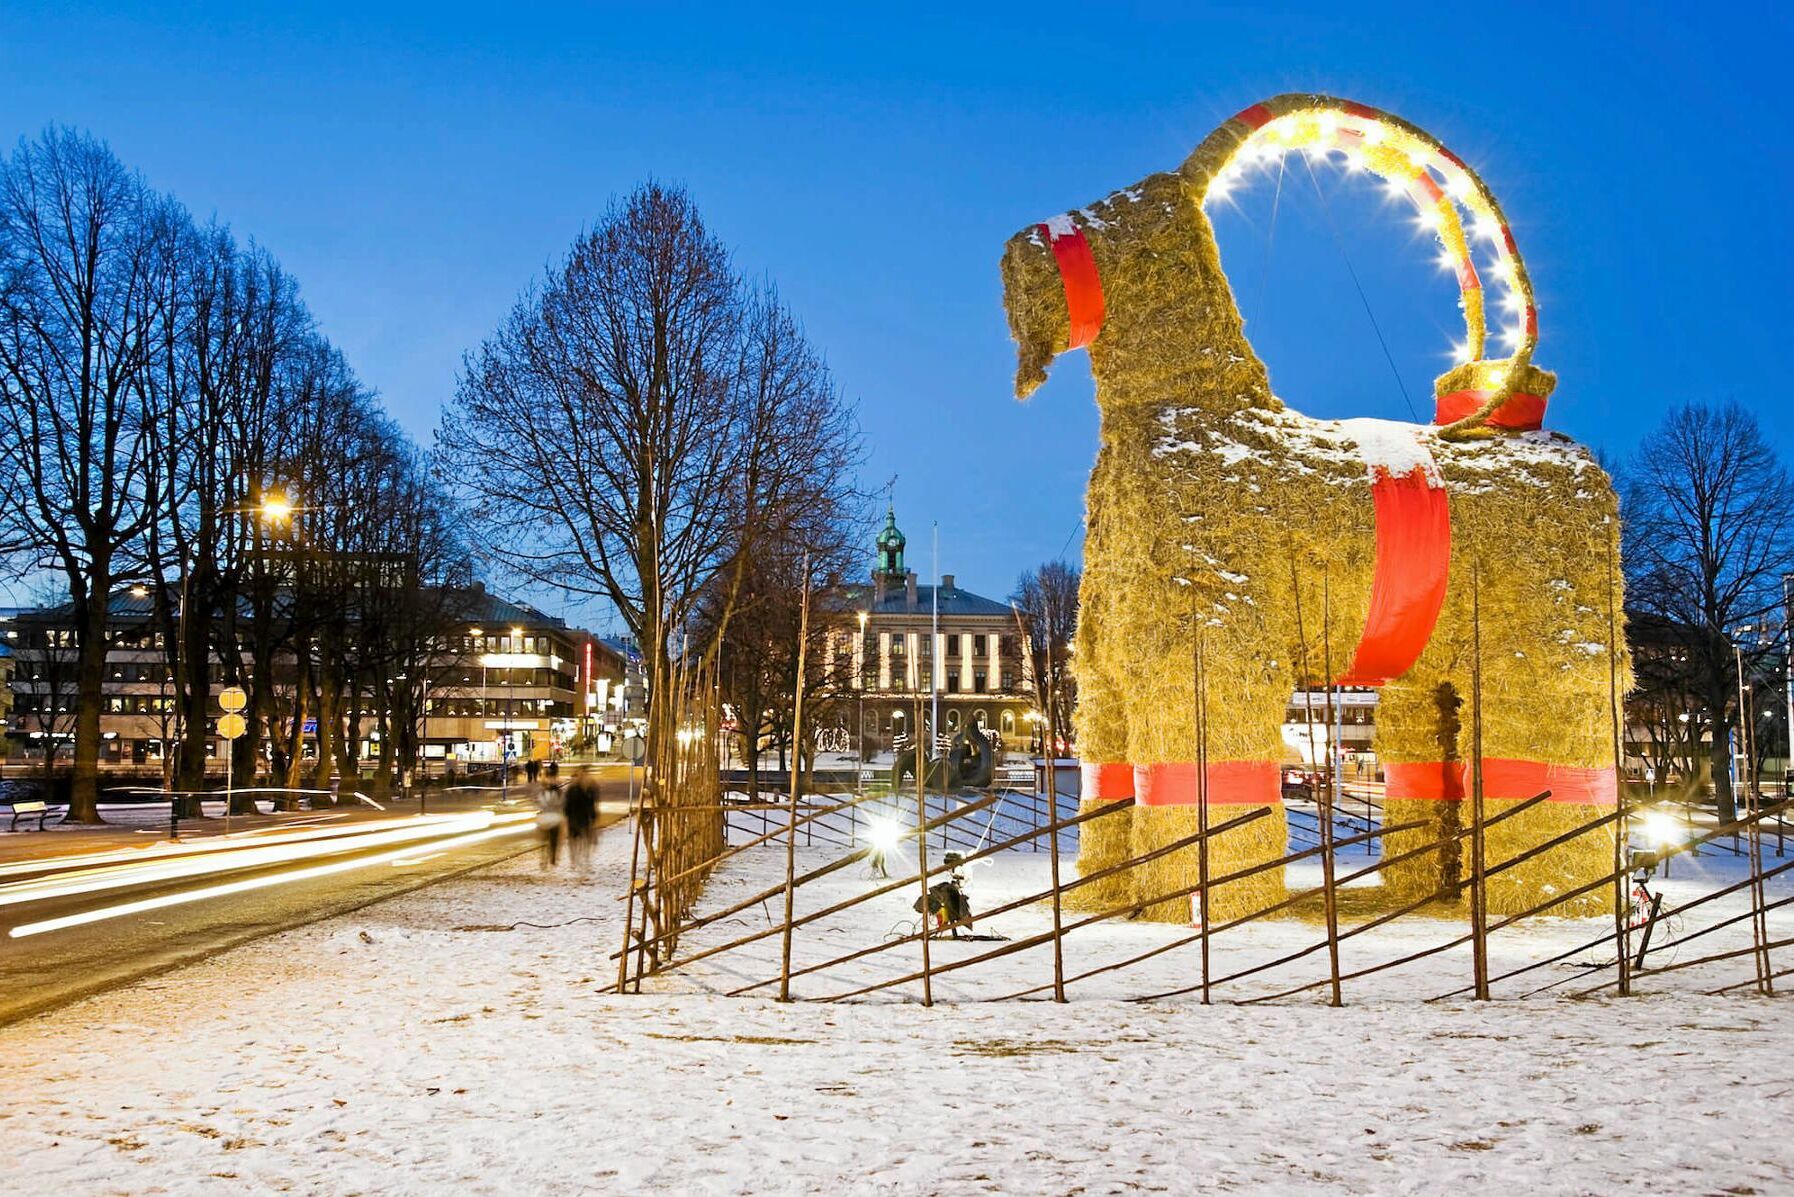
<point>635,855</point>
<point>1622,923</point>
<point>1759,926</point>
<point>1479,895</point>
<point>1202,870</point>
<point>797,739</point>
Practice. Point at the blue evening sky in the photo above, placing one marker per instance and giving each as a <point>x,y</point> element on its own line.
<point>414,167</point>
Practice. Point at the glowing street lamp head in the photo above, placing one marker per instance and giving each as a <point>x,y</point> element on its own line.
<point>1663,829</point>
<point>882,834</point>
<point>277,508</point>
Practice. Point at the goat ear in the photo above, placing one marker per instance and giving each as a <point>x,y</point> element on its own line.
<point>1035,300</point>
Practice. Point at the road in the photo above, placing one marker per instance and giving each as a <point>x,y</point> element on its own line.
<point>79,923</point>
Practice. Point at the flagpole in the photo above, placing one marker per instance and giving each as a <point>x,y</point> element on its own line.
<point>935,648</point>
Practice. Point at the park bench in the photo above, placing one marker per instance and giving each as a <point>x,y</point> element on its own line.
<point>40,809</point>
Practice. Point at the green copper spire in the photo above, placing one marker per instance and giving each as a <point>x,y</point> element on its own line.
<point>890,547</point>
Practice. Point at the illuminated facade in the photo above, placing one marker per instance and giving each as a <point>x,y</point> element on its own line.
<point>894,642</point>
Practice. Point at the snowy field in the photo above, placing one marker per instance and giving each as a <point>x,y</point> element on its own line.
<point>427,1045</point>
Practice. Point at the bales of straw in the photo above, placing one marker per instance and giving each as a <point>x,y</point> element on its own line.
<point>1220,520</point>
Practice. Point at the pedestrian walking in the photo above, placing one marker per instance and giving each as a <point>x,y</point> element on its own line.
<point>550,821</point>
<point>532,769</point>
<point>582,822</point>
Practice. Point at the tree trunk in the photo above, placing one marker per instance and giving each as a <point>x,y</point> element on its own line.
<point>246,755</point>
<point>302,694</point>
<point>1724,804</point>
<point>90,683</point>
<point>329,727</point>
<point>750,751</point>
<point>383,761</point>
<point>348,745</point>
<point>194,693</point>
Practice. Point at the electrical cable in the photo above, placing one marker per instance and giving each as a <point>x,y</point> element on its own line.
<point>1339,243</point>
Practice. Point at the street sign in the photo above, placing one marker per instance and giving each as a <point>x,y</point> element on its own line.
<point>635,748</point>
<point>232,725</point>
<point>233,699</point>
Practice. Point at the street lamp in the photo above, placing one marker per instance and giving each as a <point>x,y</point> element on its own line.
<point>511,688</point>
<point>421,765</point>
<point>274,508</point>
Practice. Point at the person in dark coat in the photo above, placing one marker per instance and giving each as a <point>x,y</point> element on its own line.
<point>582,821</point>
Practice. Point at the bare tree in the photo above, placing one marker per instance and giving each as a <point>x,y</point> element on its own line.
<point>757,658</point>
<point>1709,535</point>
<point>1047,598</point>
<point>217,419</point>
<point>1663,708</point>
<point>643,422</point>
<point>84,250</point>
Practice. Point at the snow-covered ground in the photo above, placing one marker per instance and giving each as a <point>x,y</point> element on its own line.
<point>433,1045</point>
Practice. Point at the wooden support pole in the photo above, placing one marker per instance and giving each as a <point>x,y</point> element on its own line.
<point>1052,773</point>
<point>1479,882</point>
<point>1622,922</point>
<point>797,732</point>
<point>1759,927</point>
<point>1329,896</point>
<point>1203,879</point>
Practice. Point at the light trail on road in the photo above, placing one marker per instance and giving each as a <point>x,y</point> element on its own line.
<point>332,823</point>
<point>70,879</point>
<point>515,823</point>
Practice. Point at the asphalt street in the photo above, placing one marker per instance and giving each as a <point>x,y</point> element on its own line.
<point>76,923</point>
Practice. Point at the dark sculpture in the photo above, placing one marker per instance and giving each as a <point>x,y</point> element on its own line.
<point>970,763</point>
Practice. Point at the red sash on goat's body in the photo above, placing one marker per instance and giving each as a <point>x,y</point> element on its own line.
<point>1413,564</point>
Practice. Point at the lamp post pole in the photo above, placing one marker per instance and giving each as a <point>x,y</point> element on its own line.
<point>935,648</point>
<point>423,757</point>
<point>510,693</point>
<point>479,644</point>
<point>1788,639</point>
<point>859,716</point>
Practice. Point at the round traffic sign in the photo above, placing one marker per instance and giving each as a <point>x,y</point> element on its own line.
<point>232,698</point>
<point>232,725</point>
<point>635,748</point>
